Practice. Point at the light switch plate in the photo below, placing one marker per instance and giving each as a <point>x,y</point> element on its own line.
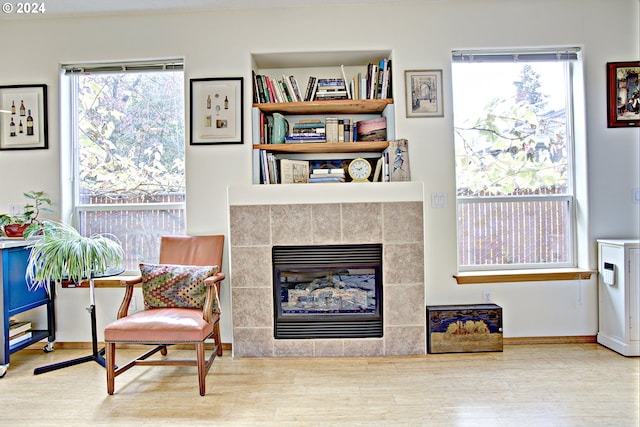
<point>439,200</point>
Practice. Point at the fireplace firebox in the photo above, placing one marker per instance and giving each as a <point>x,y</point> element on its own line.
<point>327,291</point>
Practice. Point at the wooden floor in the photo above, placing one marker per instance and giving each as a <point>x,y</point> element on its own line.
<point>526,385</point>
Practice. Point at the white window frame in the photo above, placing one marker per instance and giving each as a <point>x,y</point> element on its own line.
<point>571,56</point>
<point>72,208</point>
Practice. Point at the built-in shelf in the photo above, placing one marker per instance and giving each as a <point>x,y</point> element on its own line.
<point>343,106</point>
<point>325,147</point>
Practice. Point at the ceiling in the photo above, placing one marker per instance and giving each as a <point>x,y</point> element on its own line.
<point>83,7</point>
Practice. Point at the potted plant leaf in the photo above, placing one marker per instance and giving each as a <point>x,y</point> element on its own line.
<point>16,225</point>
<point>62,253</point>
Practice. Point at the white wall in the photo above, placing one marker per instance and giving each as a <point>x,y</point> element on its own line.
<point>421,35</point>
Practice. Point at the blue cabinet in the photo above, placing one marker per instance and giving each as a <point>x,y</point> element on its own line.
<point>16,298</point>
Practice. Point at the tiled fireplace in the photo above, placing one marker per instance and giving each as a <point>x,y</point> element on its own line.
<point>261,217</point>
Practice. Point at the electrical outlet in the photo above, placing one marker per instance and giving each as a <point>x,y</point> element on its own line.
<point>486,296</point>
<point>16,208</point>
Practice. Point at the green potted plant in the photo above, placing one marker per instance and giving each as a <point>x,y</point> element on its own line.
<point>62,253</point>
<point>16,225</point>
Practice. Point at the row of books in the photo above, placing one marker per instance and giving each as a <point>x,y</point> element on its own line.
<point>19,332</point>
<point>329,129</point>
<point>391,165</point>
<point>375,83</point>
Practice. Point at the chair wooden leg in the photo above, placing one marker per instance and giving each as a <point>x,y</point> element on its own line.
<point>202,371</point>
<point>216,338</point>
<point>110,359</point>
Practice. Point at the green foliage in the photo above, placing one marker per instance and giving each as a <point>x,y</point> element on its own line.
<point>38,203</point>
<point>131,134</point>
<point>62,253</point>
<point>515,146</point>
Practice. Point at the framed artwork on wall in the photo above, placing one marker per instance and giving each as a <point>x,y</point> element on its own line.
<point>23,117</point>
<point>623,94</point>
<point>216,111</point>
<point>424,93</point>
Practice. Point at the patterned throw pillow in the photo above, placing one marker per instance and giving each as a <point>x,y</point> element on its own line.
<point>165,285</point>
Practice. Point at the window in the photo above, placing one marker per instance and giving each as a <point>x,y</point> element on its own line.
<point>127,149</point>
<point>513,119</point>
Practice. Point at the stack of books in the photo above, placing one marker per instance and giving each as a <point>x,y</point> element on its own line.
<point>19,332</point>
<point>309,130</point>
<point>328,89</point>
<point>327,175</point>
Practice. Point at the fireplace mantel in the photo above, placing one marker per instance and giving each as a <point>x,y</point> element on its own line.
<point>365,192</point>
<point>263,216</point>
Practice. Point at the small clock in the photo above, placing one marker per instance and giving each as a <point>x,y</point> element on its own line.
<point>359,170</point>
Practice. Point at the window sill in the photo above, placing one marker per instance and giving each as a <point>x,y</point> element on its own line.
<point>543,275</point>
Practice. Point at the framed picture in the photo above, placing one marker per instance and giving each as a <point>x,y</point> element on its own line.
<point>216,111</point>
<point>623,94</point>
<point>423,93</point>
<point>23,117</point>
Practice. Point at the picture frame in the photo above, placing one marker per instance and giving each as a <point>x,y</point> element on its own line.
<point>423,90</point>
<point>216,113</point>
<point>23,117</point>
<point>623,94</point>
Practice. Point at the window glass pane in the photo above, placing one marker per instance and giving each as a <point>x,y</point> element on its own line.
<point>512,140</point>
<point>513,232</point>
<point>130,153</point>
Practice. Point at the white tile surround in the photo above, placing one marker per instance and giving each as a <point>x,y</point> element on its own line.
<point>261,216</point>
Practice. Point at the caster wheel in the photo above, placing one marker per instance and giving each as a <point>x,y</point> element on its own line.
<point>3,370</point>
<point>48,347</point>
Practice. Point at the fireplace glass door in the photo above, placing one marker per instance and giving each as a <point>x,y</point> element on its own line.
<point>328,291</point>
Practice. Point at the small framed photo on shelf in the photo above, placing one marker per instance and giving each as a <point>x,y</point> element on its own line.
<point>623,94</point>
<point>23,117</point>
<point>424,93</point>
<point>216,111</point>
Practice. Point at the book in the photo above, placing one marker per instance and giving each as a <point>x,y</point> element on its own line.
<point>294,171</point>
<point>260,86</point>
<point>290,139</point>
<point>296,88</point>
<point>348,136</point>
<point>286,91</point>
<point>378,170</point>
<point>17,339</point>
<point>331,129</point>
<point>18,328</point>
<point>309,92</point>
<point>326,179</point>
<point>335,83</point>
<point>328,171</point>
<point>344,77</point>
<point>372,129</point>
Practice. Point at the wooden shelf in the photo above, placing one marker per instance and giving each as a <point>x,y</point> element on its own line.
<point>341,106</point>
<point>325,147</point>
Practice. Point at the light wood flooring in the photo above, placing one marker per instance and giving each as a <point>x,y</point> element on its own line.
<point>526,385</point>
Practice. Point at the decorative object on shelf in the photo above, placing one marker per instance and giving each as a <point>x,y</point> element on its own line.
<point>23,124</point>
<point>359,170</point>
<point>17,225</point>
<point>294,171</point>
<point>399,160</point>
<point>623,94</point>
<point>280,127</point>
<point>216,111</point>
<point>62,253</point>
<point>424,93</point>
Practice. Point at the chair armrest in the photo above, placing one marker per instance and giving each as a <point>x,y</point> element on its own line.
<point>212,283</point>
<point>128,295</point>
